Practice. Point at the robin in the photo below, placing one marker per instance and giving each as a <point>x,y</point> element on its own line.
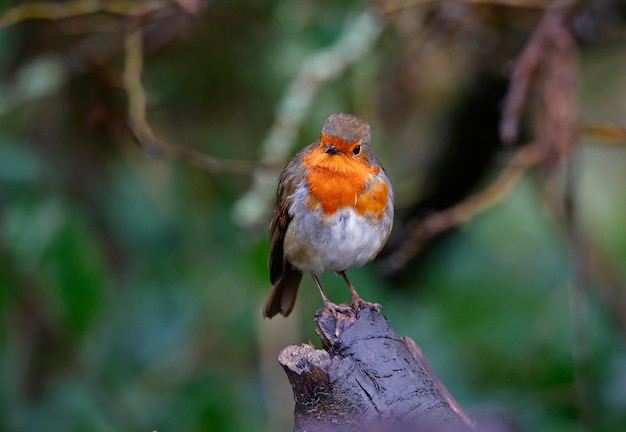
<point>334,210</point>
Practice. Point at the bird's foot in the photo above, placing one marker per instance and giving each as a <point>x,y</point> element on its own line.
<point>358,303</point>
<point>339,309</point>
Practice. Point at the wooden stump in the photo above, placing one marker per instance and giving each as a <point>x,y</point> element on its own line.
<point>367,378</point>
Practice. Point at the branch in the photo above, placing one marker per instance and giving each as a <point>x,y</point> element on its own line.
<point>609,283</point>
<point>367,378</point>
<point>549,58</point>
<point>393,6</point>
<point>606,133</point>
<point>70,9</point>
<point>143,132</point>
<point>133,66</point>
<point>462,212</point>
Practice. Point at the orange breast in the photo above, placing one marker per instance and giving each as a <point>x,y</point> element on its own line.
<point>338,181</point>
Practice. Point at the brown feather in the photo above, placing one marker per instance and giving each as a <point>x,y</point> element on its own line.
<point>285,278</point>
<point>283,296</point>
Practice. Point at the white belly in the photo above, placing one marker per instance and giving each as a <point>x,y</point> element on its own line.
<point>315,244</point>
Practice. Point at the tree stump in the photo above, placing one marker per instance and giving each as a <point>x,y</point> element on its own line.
<point>367,378</point>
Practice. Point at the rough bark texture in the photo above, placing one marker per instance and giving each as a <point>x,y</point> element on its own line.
<point>367,378</point>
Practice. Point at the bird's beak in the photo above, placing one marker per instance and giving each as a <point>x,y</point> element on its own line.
<point>331,149</point>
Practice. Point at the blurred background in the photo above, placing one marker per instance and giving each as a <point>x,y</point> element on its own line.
<point>140,147</point>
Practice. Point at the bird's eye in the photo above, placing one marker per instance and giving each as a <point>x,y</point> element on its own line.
<point>356,150</point>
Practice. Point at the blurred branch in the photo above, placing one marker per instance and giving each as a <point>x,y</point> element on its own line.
<point>530,4</point>
<point>549,51</point>
<point>549,60</point>
<point>462,212</point>
<point>393,6</point>
<point>317,69</point>
<point>54,10</point>
<point>49,72</point>
<point>606,133</point>
<point>556,121</point>
<point>439,222</point>
<point>160,149</point>
<point>142,131</point>
<point>133,65</point>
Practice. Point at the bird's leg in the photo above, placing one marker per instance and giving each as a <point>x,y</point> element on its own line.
<point>327,303</point>
<point>321,290</point>
<point>357,301</point>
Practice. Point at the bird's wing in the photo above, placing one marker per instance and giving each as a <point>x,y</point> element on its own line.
<point>291,176</point>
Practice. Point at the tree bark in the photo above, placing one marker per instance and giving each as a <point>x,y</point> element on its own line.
<point>367,378</point>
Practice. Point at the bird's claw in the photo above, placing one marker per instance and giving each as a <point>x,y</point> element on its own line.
<point>339,309</point>
<point>358,303</point>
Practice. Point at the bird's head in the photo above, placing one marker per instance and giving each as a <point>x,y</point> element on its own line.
<point>345,139</point>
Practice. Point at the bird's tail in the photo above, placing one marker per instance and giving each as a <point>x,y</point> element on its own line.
<point>284,293</point>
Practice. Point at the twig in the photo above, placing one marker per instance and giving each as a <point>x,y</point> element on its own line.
<point>47,73</point>
<point>160,149</point>
<point>133,65</point>
<point>55,11</point>
<point>462,212</point>
<point>549,59</point>
<point>143,132</point>
<point>550,56</point>
<point>389,7</point>
<point>606,134</point>
<point>317,69</point>
<point>526,4</point>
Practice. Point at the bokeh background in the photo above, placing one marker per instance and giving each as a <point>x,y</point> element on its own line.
<point>140,146</point>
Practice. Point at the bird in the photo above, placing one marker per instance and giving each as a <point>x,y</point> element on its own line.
<point>334,210</point>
